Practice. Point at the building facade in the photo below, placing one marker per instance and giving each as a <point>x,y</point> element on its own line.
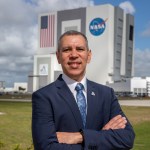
<point>2,86</point>
<point>110,35</point>
<point>136,86</point>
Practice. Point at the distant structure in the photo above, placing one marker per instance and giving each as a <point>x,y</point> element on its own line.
<point>19,87</point>
<point>110,34</point>
<point>134,87</point>
<point>2,86</point>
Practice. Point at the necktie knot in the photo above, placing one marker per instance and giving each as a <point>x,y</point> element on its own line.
<point>79,87</point>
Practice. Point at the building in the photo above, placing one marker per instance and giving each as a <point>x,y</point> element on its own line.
<point>2,86</point>
<point>19,87</point>
<point>136,86</point>
<point>110,34</point>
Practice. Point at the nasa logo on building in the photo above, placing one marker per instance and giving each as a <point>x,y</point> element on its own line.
<point>97,26</point>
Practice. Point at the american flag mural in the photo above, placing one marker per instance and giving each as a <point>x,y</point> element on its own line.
<point>47,31</point>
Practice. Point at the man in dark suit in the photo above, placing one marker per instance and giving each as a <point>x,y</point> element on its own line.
<point>65,119</point>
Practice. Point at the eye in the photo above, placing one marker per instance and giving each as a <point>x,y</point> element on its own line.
<point>66,49</point>
<point>80,49</point>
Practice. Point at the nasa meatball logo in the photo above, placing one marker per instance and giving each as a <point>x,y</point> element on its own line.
<point>97,26</point>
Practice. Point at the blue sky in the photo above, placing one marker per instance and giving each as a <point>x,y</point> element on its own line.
<point>141,33</point>
<point>142,20</point>
<point>19,33</point>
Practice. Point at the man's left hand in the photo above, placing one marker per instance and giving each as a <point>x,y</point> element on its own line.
<point>69,137</point>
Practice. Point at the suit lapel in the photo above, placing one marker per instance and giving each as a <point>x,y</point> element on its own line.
<point>92,103</point>
<point>68,97</point>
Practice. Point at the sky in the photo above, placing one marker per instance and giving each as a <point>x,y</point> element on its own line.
<point>19,31</point>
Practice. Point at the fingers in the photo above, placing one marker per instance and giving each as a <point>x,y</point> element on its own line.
<point>118,122</point>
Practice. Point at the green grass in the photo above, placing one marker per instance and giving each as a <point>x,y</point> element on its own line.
<point>15,126</point>
<point>140,119</point>
<point>142,136</point>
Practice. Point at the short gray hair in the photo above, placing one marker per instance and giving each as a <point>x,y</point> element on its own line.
<point>72,32</point>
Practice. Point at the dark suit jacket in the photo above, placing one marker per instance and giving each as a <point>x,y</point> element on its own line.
<point>55,109</point>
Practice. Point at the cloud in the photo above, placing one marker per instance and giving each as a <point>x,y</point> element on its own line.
<point>54,5</point>
<point>146,32</point>
<point>19,34</point>
<point>127,7</point>
<point>141,66</point>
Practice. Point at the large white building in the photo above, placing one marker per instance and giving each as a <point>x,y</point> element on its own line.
<point>136,86</point>
<point>110,34</point>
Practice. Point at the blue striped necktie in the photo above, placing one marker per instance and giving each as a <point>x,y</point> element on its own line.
<point>81,101</point>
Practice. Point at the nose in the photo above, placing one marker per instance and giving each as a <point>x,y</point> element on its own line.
<point>74,53</point>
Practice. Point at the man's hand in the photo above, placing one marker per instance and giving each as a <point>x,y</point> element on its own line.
<point>69,137</point>
<point>118,122</point>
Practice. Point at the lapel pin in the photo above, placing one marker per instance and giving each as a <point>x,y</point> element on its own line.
<point>93,94</point>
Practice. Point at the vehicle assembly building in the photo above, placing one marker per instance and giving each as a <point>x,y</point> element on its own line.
<point>110,34</point>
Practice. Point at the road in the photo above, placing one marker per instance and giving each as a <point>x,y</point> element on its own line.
<point>135,103</point>
<point>122,102</point>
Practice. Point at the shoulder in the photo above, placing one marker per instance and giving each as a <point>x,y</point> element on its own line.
<point>101,89</point>
<point>46,89</point>
<point>52,87</point>
<point>98,85</point>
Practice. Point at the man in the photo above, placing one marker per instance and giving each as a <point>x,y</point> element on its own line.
<point>58,123</point>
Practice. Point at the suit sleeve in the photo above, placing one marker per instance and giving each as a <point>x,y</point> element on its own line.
<point>43,126</point>
<point>110,139</point>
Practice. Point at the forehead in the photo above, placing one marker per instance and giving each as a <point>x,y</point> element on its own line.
<point>73,39</point>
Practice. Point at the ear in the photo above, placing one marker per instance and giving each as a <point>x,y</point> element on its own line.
<point>89,56</point>
<point>58,56</point>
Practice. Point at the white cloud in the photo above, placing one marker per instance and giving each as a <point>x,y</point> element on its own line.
<point>54,5</point>
<point>142,65</point>
<point>146,32</point>
<point>127,7</point>
<point>18,34</point>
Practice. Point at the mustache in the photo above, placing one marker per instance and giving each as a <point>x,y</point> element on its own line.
<point>71,62</point>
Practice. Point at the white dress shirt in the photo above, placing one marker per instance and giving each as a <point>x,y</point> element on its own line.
<point>72,84</point>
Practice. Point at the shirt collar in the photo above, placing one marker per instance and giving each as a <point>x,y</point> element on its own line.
<point>72,83</point>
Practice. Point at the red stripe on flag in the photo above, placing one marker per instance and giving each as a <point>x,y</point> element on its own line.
<point>47,35</point>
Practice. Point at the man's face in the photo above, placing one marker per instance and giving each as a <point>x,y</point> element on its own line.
<point>73,56</point>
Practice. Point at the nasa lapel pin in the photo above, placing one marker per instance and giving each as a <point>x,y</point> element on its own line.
<point>93,94</point>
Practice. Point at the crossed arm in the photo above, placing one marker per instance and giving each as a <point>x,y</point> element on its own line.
<point>42,121</point>
<point>118,122</point>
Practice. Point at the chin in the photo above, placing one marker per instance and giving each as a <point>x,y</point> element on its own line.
<point>76,75</point>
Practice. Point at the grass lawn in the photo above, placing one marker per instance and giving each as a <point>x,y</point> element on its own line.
<point>140,119</point>
<point>15,126</point>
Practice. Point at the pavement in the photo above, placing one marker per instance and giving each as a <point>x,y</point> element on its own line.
<point>16,100</point>
<point>145,103</point>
